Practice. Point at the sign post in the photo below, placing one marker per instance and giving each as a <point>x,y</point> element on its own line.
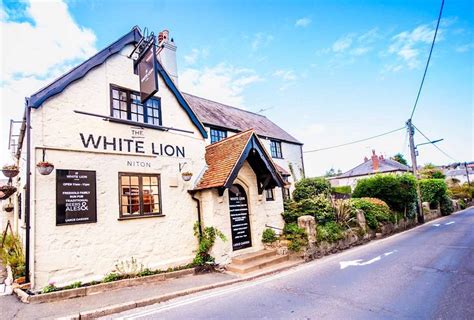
<point>147,72</point>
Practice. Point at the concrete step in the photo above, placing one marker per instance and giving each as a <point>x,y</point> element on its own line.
<point>248,257</point>
<point>256,264</point>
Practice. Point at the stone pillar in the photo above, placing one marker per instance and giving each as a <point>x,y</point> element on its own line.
<point>308,223</point>
<point>361,219</point>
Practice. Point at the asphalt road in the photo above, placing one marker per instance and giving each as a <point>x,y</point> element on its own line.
<point>424,273</point>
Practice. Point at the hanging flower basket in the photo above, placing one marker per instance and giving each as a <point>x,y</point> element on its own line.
<point>8,207</point>
<point>187,175</point>
<point>6,191</point>
<point>44,167</point>
<point>10,171</point>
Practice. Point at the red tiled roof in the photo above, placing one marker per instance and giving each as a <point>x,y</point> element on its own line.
<point>221,158</point>
<point>281,170</point>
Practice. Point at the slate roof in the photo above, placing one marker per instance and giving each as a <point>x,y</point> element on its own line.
<point>223,159</point>
<point>213,113</point>
<point>366,168</point>
<point>459,172</point>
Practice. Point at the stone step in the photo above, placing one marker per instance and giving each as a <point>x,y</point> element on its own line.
<point>247,257</point>
<point>257,264</point>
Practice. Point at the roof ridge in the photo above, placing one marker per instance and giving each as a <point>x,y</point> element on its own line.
<point>229,138</point>
<point>225,105</point>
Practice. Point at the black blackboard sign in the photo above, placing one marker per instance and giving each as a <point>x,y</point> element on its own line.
<point>147,72</point>
<point>239,218</point>
<point>76,200</point>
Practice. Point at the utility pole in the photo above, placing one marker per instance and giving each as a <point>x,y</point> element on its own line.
<point>467,174</point>
<point>411,133</point>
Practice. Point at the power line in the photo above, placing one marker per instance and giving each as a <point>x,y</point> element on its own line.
<point>356,141</point>
<point>431,142</point>
<point>428,61</point>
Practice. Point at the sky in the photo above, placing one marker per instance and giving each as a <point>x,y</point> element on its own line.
<point>328,72</point>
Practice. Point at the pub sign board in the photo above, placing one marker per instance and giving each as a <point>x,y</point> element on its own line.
<point>76,198</point>
<point>239,218</point>
<point>147,72</point>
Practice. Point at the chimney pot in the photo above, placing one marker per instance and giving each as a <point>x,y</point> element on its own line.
<point>375,161</point>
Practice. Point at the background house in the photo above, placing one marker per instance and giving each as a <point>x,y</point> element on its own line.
<point>374,165</point>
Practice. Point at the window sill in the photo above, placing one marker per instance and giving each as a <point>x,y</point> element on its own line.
<point>277,157</point>
<point>141,217</point>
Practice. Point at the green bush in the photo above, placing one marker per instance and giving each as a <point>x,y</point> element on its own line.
<point>375,211</point>
<point>12,254</point>
<point>464,192</point>
<point>433,190</point>
<point>319,207</point>
<point>269,236</point>
<point>462,204</point>
<point>310,187</point>
<point>446,206</point>
<point>296,235</point>
<point>398,191</point>
<point>342,189</point>
<point>330,232</point>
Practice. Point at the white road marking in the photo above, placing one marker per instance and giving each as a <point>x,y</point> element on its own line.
<point>354,263</point>
<point>436,224</point>
<point>448,223</point>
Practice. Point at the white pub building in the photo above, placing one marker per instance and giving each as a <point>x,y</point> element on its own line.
<point>131,179</point>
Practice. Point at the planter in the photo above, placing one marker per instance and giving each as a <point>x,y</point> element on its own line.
<point>8,207</point>
<point>6,191</point>
<point>187,176</point>
<point>44,168</point>
<point>10,171</point>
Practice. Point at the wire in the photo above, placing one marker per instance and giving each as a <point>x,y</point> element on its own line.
<point>356,141</point>
<point>431,142</point>
<point>428,61</point>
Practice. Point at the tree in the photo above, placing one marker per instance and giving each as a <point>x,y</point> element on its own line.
<point>430,171</point>
<point>310,187</point>
<point>332,173</point>
<point>400,159</point>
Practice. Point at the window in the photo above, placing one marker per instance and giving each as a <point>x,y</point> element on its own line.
<point>126,105</point>
<point>275,148</point>
<point>286,194</point>
<point>217,135</point>
<point>139,195</point>
<point>269,194</point>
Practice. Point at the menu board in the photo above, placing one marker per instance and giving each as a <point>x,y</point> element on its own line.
<point>239,218</point>
<point>76,200</point>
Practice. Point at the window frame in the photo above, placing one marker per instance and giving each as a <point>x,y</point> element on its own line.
<point>140,186</point>
<point>286,194</point>
<point>276,149</point>
<point>129,112</point>
<point>269,195</point>
<point>211,129</point>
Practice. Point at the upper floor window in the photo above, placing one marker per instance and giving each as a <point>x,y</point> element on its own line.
<point>217,135</point>
<point>275,149</point>
<point>269,195</point>
<point>126,105</point>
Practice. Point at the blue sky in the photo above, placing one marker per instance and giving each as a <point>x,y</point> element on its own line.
<point>326,71</point>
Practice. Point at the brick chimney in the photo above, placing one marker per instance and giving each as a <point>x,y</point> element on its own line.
<point>167,55</point>
<point>375,161</point>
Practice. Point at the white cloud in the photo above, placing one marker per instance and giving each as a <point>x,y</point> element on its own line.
<point>406,45</point>
<point>223,82</point>
<point>465,48</point>
<point>261,40</point>
<point>303,22</point>
<point>342,44</point>
<point>36,53</point>
<point>287,75</point>
<point>195,55</point>
<point>360,51</point>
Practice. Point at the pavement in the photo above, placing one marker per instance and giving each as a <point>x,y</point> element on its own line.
<point>424,273</point>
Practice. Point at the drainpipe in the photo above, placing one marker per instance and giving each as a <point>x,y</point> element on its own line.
<point>198,205</point>
<point>27,193</point>
<point>302,161</point>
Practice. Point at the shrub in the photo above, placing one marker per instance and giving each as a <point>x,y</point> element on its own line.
<point>375,210</point>
<point>206,241</point>
<point>398,191</point>
<point>296,235</point>
<point>128,268</point>
<point>12,254</point>
<point>343,211</point>
<point>319,207</point>
<point>446,206</point>
<point>429,171</point>
<point>310,187</point>
<point>462,204</point>
<point>433,190</point>
<point>330,232</point>
<point>342,189</point>
<point>268,236</point>
<point>462,191</point>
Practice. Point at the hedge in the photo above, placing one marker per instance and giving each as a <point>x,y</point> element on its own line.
<point>433,190</point>
<point>375,210</point>
<point>342,189</point>
<point>319,207</point>
<point>398,191</point>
